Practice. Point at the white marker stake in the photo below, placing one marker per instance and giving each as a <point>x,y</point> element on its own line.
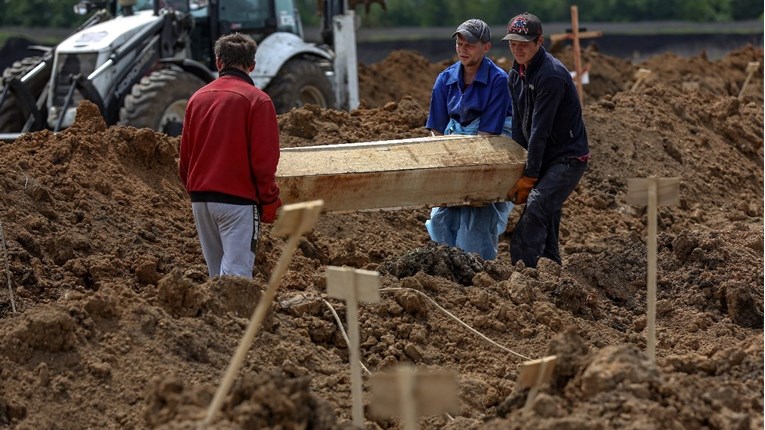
<point>406,383</point>
<point>293,221</point>
<point>354,286</point>
<point>655,191</point>
<point>534,374</point>
<point>653,201</point>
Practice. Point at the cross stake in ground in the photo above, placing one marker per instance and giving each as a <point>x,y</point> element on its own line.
<point>653,192</point>
<point>576,35</point>
<point>409,393</point>
<point>750,69</point>
<point>293,221</point>
<point>640,76</point>
<point>535,373</point>
<point>354,286</point>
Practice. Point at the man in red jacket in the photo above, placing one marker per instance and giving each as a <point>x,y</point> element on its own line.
<point>228,156</point>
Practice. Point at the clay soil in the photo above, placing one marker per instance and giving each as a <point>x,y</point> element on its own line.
<point>118,326</point>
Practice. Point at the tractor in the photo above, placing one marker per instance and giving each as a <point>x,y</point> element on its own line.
<point>139,61</point>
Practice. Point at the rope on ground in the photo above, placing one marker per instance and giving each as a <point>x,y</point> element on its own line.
<point>456,319</point>
<point>342,330</point>
<point>348,341</point>
<point>7,268</point>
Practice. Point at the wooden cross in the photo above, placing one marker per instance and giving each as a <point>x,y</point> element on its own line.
<point>534,374</point>
<point>653,192</point>
<point>576,35</point>
<point>409,393</point>
<point>750,69</point>
<point>640,76</point>
<point>293,220</point>
<point>353,286</point>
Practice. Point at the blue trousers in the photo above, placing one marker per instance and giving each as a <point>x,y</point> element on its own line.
<point>536,234</point>
<point>473,229</point>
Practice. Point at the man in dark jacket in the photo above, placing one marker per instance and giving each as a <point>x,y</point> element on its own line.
<point>547,121</point>
<point>228,157</point>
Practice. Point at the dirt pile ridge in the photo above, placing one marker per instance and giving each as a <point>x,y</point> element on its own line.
<point>117,316</point>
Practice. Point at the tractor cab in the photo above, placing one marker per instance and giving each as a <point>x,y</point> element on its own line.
<point>256,18</point>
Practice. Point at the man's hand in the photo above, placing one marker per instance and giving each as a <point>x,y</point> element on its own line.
<point>268,212</point>
<point>520,191</point>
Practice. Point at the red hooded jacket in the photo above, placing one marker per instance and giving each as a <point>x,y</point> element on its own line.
<point>230,142</point>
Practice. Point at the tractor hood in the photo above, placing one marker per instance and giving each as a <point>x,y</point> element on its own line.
<point>107,35</point>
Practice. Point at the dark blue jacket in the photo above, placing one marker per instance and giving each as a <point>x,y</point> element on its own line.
<point>547,115</point>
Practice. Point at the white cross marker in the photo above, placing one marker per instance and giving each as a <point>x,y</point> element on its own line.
<point>354,286</point>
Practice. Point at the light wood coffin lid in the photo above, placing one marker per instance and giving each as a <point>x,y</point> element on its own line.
<point>428,171</point>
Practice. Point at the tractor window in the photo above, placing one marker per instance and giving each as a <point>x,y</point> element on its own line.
<point>139,5</point>
<point>179,5</point>
<point>240,15</point>
<point>287,18</point>
<point>198,4</point>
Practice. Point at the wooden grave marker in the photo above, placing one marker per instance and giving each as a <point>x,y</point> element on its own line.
<point>534,374</point>
<point>409,393</point>
<point>292,221</point>
<point>640,76</point>
<point>752,67</point>
<point>354,286</point>
<point>652,192</point>
<point>576,35</point>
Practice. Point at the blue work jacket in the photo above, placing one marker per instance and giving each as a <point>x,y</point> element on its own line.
<point>486,98</point>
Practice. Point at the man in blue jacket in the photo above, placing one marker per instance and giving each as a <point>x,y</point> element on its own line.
<point>547,121</point>
<point>470,97</point>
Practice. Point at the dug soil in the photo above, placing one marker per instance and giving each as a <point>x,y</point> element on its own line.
<point>116,325</point>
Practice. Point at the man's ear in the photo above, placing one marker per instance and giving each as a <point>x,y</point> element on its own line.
<point>541,40</point>
<point>486,47</point>
<point>218,64</point>
<point>251,68</point>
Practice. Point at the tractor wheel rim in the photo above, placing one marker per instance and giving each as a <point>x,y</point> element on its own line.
<point>312,95</point>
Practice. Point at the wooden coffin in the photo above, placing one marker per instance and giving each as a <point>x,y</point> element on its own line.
<point>428,171</point>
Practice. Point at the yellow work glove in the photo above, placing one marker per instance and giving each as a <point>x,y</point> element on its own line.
<point>520,191</point>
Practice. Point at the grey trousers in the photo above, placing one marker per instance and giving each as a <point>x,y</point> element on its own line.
<point>228,235</point>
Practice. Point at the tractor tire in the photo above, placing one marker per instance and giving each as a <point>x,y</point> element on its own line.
<point>11,118</point>
<point>300,82</point>
<point>159,101</point>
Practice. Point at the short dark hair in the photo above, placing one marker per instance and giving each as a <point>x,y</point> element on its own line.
<point>236,50</point>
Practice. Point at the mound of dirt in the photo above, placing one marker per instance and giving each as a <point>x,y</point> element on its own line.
<point>115,313</point>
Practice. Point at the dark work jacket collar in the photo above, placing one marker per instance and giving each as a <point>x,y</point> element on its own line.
<point>237,73</point>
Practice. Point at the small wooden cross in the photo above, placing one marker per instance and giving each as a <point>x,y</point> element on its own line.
<point>354,286</point>
<point>652,192</point>
<point>640,76</point>
<point>534,374</point>
<point>576,35</point>
<point>409,393</point>
<point>750,69</point>
<point>293,220</point>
